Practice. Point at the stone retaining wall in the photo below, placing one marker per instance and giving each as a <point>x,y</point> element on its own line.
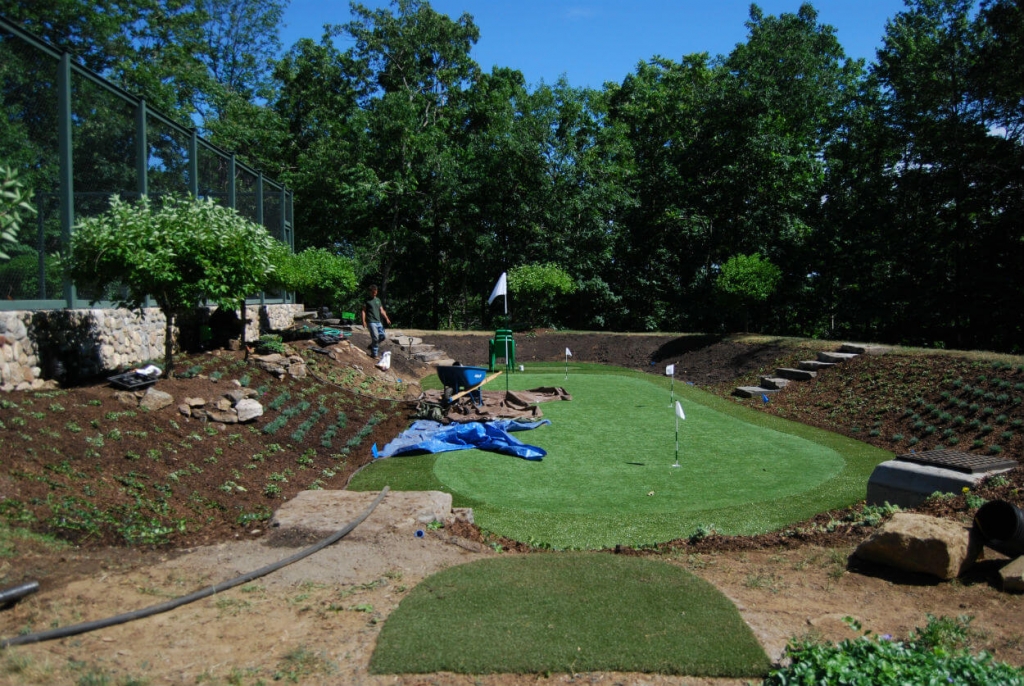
<point>69,345</point>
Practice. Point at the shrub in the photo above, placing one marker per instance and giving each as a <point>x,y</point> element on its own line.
<point>270,343</point>
<point>897,437</point>
<point>935,654</point>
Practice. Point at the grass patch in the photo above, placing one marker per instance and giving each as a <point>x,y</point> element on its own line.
<point>744,472</point>
<point>574,612</point>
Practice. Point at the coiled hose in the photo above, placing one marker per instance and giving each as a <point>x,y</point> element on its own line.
<point>85,627</point>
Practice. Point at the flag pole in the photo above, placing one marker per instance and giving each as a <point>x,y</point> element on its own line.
<point>679,415</point>
<point>507,370</point>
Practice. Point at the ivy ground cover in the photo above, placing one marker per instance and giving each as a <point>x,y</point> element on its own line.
<point>609,479</point>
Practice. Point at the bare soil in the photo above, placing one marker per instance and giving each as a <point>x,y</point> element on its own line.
<point>137,536</point>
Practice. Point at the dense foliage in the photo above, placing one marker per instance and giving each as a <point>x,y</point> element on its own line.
<point>888,194</point>
<point>14,207</point>
<point>320,277</point>
<point>935,654</point>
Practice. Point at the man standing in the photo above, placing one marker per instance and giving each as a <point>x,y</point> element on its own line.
<point>373,311</point>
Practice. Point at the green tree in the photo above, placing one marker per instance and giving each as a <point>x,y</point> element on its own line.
<point>14,207</point>
<point>538,289</point>
<point>178,254</point>
<point>412,67</point>
<point>320,276</point>
<point>745,281</point>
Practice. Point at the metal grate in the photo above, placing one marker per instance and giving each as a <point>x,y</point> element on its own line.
<point>960,462</point>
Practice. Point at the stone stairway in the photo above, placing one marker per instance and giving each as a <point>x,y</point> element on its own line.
<point>424,352</point>
<point>805,370</point>
<point>410,345</point>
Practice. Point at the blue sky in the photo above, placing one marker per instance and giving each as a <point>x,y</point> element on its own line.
<point>593,41</point>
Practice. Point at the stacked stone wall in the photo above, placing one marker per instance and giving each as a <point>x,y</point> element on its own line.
<point>69,345</point>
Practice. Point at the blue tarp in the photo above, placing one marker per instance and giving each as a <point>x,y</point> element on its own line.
<point>426,436</point>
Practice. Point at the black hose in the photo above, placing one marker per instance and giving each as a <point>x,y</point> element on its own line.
<point>184,600</point>
<point>13,594</point>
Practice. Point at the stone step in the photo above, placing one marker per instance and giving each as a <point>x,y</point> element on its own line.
<point>431,356</point>
<point>863,349</point>
<point>442,362</point>
<point>826,356</point>
<point>305,315</point>
<point>406,341</point>
<point>814,365</point>
<point>753,391</point>
<point>419,349</point>
<point>795,374</point>
<point>773,383</point>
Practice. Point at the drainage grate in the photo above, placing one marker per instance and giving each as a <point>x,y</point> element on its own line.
<point>958,461</point>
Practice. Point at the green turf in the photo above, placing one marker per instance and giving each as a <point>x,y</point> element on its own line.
<point>742,471</point>
<point>567,612</point>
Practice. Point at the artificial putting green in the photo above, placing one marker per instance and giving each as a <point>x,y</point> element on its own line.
<point>567,612</point>
<point>608,477</point>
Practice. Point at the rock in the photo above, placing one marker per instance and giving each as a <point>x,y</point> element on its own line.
<point>919,543</point>
<point>224,417</point>
<point>248,409</point>
<point>1012,576</point>
<point>126,398</point>
<point>155,400</point>
<point>238,394</point>
<point>223,404</point>
<point>185,409</point>
<point>195,402</point>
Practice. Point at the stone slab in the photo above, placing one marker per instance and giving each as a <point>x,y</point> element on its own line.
<point>814,365</point>
<point>753,391</point>
<point>773,383</point>
<point>909,484</point>
<point>826,356</point>
<point>314,515</point>
<point>795,374</point>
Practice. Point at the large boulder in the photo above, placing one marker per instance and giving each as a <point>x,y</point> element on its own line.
<point>156,400</point>
<point>1012,576</point>
<point>923,544</point>
<point>248,410</point>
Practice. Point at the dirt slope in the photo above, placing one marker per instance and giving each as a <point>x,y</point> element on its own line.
<point>317,622</point>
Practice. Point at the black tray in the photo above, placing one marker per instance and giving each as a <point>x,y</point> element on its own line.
<point>131,381</point>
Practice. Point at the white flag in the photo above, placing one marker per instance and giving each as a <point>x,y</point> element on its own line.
<point>670,370</point>
<point>500,288</point>
<point>679,411</point>
<point>568,353</point>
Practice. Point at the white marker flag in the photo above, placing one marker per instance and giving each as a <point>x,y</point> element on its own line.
<point>670,370</point>
<point>679,411</point>
<point>500,288</point>
<point>568,353</point>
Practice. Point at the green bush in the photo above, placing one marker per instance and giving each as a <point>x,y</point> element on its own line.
<point>933,655</point>
<point>320,276</point>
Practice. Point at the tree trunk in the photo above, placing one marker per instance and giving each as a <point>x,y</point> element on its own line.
<point>168,345</point>
<point>245,348</point>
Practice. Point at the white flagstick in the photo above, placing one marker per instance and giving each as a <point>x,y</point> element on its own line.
<point>568,354</point>
<point>679,415</point>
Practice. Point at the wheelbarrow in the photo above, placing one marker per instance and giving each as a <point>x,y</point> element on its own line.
<point>459,381</point>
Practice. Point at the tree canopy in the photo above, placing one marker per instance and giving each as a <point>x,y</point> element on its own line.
<point>888,194</point>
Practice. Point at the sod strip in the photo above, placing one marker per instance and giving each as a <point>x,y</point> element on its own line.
<point>567,612</point>
<point>743,471</point>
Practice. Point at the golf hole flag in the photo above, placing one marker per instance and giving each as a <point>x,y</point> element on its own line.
<point>500,288</point>
<point>679,411</point>
<point>670,370</point>
<point>568,353</point>
<point>679,415</point>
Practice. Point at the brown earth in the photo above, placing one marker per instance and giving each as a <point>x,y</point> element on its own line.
<point>316,621</point>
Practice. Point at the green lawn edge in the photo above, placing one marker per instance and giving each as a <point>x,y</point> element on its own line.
<point>561,530</point>
<point>568,612</point>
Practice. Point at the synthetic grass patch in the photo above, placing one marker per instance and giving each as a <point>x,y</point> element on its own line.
<point>608,477</point>
<point>572,612</point>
